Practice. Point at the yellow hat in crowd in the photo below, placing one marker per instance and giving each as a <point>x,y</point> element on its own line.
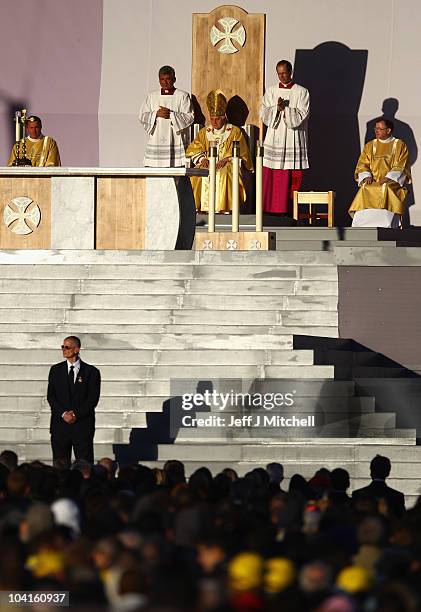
<point>354,579</point>
<point>245,572</point>
<point>216,103</point>
<point>279,575</point>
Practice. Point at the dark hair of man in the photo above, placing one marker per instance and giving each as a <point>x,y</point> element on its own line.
<point>166,70</point>
<point>339,479</point>
<point>75,340</point>
<point>380,467</point>
<point>388,123</point>
<point>33,119</point>
<point>285,63</point>
<point>9,458</point>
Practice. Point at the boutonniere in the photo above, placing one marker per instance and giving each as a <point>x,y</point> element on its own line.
<point>80,379</point>
<point>229,129</point>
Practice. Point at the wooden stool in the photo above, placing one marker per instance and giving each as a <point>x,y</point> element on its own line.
<point>312,199</point>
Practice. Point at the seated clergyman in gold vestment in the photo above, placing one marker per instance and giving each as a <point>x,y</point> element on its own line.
<point>223,134</point>
<point>41,150</point>
<point>382,169</point>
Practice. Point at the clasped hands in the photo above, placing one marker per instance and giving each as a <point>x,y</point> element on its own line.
<point>69,417</point>
<point>204,163</point>
<point>281,104</point>
<point>163,112</point>
<point>369,180</point>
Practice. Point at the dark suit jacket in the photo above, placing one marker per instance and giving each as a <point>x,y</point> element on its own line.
<point>378,489</point>
<point>82,401</point>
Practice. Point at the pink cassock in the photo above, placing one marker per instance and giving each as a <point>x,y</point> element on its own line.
<point>278,188</point>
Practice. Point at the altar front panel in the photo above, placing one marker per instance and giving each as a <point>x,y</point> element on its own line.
<point>97,208</point>
<point>120,213</point>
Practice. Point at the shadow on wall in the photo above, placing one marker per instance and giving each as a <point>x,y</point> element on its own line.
<point>199,117</point>
<point>403,131</point>
<point>237,111</point>
<point>334,75</point>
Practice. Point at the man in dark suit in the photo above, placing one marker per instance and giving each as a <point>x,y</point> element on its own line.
<point>73,393</point>
<point>380,469</point>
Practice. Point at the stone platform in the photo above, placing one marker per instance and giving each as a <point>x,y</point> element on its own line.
<point>290,236</point>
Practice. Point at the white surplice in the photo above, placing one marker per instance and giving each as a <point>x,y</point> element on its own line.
<point>285,146</point>
<point>167,138</point>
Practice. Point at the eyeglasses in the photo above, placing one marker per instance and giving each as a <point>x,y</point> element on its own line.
<point>376,129</point>
<point>65,347</point>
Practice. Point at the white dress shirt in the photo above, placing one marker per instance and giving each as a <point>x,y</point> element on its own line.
<point>76,368</point>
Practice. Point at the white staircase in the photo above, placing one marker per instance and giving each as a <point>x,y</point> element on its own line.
<point>146,318</point>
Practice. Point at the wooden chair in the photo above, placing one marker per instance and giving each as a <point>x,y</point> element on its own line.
<point>312,199</point>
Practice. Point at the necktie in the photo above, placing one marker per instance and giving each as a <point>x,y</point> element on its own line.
<point>71,377</point>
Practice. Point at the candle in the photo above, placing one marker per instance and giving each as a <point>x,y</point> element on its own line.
<point>17,126</point>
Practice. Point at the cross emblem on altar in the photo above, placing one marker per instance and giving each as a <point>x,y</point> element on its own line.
<point>17,210</point>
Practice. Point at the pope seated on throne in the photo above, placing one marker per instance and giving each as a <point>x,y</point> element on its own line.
<point>223,135</point>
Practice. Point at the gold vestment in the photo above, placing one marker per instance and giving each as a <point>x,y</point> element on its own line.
<point>379,158</point>
<point>223,175</point>
<point>42,152</point>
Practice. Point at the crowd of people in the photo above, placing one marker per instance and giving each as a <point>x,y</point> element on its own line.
<point>135,538</point>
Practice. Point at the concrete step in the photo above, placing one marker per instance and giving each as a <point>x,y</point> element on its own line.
<point>142,404</point>
<point>111,357</point>
<point>167,302</point>
<point>62,315</point>
<point>160,329</point>
<point>239,330</point>
<point>298,387</point>
<point>237,271</point>
<point>324,245</point>
<point>404,394</point>
<point>31,451</point>
<point>344,453</point>
<point>167,258</point>
<point>235,450</point>
<point>176,341</point>
<point>109,435</point>
<point>262,287</point>
<point>27,420</point>
<point>193,317</point>
<point>145,387</point>
<point>378,256</point>
<point>165,287</point>
<point>351,428</point>
<point>127,372</point>
<point>258,302</point>
<point>406,455</point>
<point>293,233</point>
<point>305,388</point>
<point>220,419</point>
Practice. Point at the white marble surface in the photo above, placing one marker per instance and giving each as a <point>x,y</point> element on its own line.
<point>61,171</point>
<point>162,214</point>
<point>72,212</point>
<point>277,265</point>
